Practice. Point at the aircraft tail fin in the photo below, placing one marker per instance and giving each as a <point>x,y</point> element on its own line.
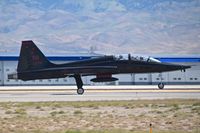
<point>31,58</point>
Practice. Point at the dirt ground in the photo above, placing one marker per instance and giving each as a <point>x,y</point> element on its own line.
<point>114,116</point>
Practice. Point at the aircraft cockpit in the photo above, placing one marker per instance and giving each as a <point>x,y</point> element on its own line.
<point>136,58</point>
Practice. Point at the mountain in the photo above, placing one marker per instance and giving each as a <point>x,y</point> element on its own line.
<point>111,26</point>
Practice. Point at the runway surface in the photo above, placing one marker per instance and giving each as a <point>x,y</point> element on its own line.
<point>95,93</point>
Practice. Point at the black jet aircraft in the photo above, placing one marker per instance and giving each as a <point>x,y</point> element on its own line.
<point>33,65</point>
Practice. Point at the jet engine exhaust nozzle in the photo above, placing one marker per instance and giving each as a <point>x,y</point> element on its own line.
<point>13,76</point>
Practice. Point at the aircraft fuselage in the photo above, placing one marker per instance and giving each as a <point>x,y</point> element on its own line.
<point>98,66</point>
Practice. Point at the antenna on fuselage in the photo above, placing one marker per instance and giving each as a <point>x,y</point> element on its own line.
<point>129,56</point>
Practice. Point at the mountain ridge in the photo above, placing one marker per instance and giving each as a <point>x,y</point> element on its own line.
<point>112,26</point>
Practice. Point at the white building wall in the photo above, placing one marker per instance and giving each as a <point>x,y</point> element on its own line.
<point>146,79</point>
<point>10,67</point>
<point>193,76</point>
<point>125,79</point>
<point>1,73</point>
<point>177,76</point>
<point>157,77</point>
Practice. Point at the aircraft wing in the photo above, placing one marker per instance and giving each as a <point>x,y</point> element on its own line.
<point>83,70</point>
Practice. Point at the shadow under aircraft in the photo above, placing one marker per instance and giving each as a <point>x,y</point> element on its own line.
<point>33,65</point>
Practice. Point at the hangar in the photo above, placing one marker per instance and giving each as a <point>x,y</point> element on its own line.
<point>8,64</point>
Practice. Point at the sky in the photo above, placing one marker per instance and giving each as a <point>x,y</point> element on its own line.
<point>64,27</point>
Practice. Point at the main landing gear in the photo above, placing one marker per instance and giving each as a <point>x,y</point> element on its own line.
<point>79,84</point>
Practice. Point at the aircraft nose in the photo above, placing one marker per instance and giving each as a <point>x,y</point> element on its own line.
<point>180,67</point>
<point>186,67</point>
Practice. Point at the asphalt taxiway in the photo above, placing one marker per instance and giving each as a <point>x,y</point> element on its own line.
<point>95,93</point>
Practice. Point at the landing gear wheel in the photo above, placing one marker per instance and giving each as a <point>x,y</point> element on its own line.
<point>80,91</point>
<point>161,86</point>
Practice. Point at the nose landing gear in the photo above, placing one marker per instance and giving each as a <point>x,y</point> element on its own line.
<point>161,84</point>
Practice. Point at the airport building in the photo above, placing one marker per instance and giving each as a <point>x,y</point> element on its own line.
<point>8,64</point>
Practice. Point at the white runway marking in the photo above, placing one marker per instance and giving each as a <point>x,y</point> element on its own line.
<point>113,87</point>
<point>94,93</point>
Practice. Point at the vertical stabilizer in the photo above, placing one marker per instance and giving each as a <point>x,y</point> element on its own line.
<point>31,58</point>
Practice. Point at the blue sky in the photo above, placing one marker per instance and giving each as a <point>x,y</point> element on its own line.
<point>60,27</point>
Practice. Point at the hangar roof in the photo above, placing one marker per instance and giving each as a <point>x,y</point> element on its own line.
<point>75,58</point>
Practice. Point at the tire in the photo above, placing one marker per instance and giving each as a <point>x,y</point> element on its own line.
<point>80,91</point>
<point>161,86</point>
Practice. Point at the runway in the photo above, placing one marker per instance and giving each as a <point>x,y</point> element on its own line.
<point>95,93</point>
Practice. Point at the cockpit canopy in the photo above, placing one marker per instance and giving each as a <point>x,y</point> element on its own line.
<point>136,58</point>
